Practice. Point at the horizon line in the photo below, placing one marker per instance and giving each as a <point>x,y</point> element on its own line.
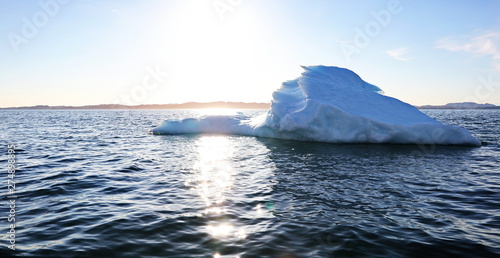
<point>221,104</point>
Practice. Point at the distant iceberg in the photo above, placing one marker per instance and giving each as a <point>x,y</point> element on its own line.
<point>331,104</point>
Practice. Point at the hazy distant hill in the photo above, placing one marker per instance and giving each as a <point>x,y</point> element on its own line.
<point>462,105</point>
<point>189,105</point>
<point>235,105</point>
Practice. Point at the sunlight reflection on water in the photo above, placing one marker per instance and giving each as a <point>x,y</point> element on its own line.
<point>213,180</point>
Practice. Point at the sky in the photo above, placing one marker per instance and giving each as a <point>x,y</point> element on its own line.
<point>87,52</point>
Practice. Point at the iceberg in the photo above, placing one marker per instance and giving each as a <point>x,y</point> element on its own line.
<point>331,104</point>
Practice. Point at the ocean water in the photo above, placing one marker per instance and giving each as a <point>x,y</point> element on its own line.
<point>94,183</point>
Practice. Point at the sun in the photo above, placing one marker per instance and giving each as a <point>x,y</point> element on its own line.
<point>217,60</point>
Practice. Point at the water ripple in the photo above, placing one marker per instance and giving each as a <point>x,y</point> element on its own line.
<point>95,184</point>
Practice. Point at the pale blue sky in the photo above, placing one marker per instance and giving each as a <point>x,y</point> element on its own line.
<point>81,52</point>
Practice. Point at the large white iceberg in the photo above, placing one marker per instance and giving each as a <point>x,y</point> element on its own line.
<point>331,104</point>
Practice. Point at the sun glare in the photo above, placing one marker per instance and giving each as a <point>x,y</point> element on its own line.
<point>213,180</point>
<point>217,112</point>
<point>220,231</point>
<point>213,58</point>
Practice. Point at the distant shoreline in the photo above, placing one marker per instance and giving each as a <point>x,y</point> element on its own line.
<point>189,105</point>
<point>448,108</point>
<point>461,105</point>
<point>222,104</point>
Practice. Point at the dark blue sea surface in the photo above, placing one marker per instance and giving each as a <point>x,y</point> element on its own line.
<point>94,183</point>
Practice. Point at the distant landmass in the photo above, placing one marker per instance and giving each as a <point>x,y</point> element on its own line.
<point>234,105</point>
<point>461,105</point>
<point>189,105</point>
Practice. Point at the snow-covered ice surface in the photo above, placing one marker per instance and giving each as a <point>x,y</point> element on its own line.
<point>331,104</point>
